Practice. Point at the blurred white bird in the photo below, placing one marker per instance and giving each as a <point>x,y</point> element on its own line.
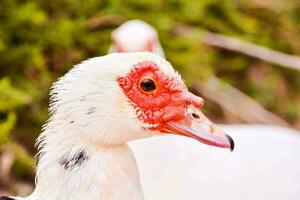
<point>265,164</point>
<point>99,106</point>
<point>135,36</point>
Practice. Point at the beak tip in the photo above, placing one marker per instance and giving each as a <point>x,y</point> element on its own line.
<point>231,142</point>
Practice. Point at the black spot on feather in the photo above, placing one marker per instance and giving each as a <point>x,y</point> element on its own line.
<point>6,198</point>
<point>82,99</point>
<point>75,161</point>
<point>91,110</point>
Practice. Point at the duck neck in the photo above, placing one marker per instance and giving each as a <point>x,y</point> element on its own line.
<point>84,170</point>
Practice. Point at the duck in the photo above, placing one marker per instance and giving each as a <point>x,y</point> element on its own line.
<point>98,107</point>
<point>264,165</point>
<point>145,38</point>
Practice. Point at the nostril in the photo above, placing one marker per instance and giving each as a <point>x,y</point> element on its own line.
<point>195,116</point>
<point>212,128</point>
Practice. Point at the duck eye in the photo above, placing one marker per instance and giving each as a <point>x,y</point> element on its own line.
<point>147,85</point>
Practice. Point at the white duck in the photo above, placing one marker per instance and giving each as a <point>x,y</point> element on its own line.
<point>135,36</point>
<point>266,163</point>
<point>98,107</point>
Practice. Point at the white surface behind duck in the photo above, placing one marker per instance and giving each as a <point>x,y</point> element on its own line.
<point>264,165</point>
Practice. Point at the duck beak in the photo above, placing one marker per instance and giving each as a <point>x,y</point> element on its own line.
<point>196,125</point>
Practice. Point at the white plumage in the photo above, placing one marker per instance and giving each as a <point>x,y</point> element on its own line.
<point>89,112</point>
<point>82,150</point>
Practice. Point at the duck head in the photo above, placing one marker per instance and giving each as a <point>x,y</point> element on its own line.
<point>120,97</point>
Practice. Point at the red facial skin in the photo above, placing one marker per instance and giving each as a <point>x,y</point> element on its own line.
<point>166,103</point>
<point>119,47</point>
<point>150,45</point>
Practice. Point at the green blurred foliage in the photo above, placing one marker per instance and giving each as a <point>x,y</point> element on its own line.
<point>41,40</point>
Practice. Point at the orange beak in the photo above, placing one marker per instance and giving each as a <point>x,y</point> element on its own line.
<point>197,126</point>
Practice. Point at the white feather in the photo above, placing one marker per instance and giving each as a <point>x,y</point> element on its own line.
<point>90,112</point>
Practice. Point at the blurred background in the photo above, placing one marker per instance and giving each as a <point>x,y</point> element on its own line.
<point>240,55</point>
